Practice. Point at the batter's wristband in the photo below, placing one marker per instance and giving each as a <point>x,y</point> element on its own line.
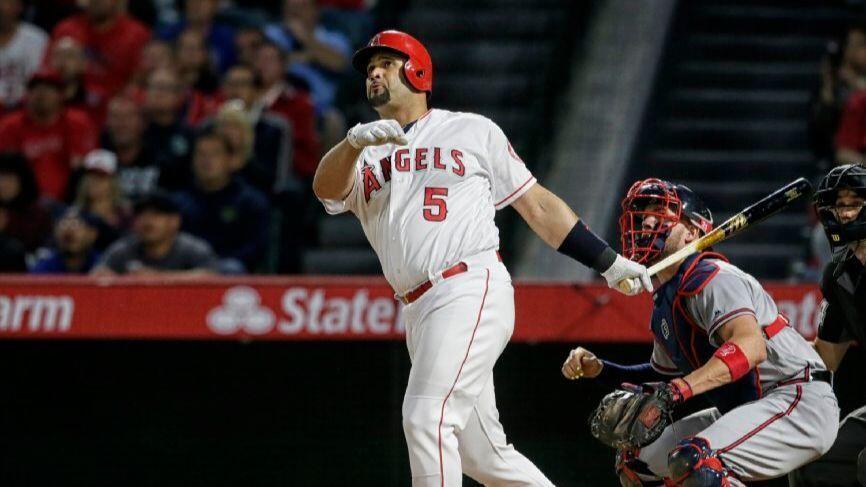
<point>732,356</point>
<point>582,245</point>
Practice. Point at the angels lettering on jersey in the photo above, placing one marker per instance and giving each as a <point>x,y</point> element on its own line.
<point>427,204</point>
<point>404,160</point>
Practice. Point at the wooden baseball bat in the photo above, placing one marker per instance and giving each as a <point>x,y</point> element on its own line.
<point>756,213</point>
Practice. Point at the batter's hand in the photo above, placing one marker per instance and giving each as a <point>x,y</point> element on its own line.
<point>581,363</point>
<point>623,268</point>
<point>379,132</point>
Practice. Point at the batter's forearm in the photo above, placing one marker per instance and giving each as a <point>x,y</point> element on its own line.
<point>546,214</point>
<point>336,172</point>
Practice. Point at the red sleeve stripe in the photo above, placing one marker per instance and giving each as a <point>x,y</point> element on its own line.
<point>732,314</point>
<point>728,317</point>
<point>503,200</point>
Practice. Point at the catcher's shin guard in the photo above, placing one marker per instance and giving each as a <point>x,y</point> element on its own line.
<point>693,464</point>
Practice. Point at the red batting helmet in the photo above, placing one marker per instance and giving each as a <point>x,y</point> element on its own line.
<point>418,69</point>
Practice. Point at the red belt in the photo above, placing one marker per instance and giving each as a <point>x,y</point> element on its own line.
<point>419,291</point>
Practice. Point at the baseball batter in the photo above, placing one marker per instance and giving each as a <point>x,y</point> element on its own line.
<point>425,185</point>
<point>716,333</point>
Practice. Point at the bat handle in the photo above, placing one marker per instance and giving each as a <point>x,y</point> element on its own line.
<point>626,286</point>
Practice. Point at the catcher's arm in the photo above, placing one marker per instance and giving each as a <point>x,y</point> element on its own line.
<point>742,331</point>
<point>581,363</point>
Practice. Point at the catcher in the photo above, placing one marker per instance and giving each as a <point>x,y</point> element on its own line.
<point>716,333</point>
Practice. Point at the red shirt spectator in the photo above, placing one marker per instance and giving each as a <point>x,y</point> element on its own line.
<point>297,107</point>
<point>851,135</point>
<point>52,138</point>
<point>113,41</point>
<point>294,105</point>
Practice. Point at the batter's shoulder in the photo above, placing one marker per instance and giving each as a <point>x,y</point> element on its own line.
<point>464,117</point>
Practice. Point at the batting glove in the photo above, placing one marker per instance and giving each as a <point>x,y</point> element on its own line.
<point>379,132</point>
<point>623,269</point>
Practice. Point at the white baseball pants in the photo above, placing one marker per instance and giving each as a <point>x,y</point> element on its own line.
<point>455,332</point>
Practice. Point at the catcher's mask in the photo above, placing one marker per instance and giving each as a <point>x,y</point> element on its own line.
<point>667,203</point>
<point>851,177</point>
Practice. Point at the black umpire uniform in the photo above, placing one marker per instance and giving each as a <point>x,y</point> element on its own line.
<point>843,320</point>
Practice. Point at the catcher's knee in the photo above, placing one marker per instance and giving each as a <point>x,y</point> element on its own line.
<point>693,464</point>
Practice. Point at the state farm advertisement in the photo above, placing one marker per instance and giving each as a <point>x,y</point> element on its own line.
<point>308,308</point>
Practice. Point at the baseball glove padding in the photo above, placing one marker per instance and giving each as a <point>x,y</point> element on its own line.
<point>633,417</point>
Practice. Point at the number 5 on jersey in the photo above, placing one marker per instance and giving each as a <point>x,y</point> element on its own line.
<point>435,209</point>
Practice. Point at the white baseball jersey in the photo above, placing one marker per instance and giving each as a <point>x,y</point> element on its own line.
<point>19,59</point>
<point>427,205</point>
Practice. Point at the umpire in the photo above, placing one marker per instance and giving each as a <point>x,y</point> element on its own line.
<point>839,203</point>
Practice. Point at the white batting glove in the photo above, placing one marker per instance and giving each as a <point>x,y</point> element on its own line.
<point>379,132</point>
<point>624,269</point>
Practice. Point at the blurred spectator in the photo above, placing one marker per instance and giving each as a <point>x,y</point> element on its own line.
<point>247,42</point>
<point>157,246</point>
<point>165,132</point>
<point>73,251</point>
<point>137,173</point>
<point>112,39</point>
<point>193,62</point>
<point>13,257</point>
<point>843,72</point>
<point>279,97</point>
<point>99,195</point>
<point>851,136</point>
<point>224,210</point>
<point>23,216</point>
<point>272,144</point>
<point>197,77</point>
<point>317,55</point>
<point>53,138</point>
<point>22,47</point>
<point>70,62</point>
<point>156,54</point>
<point>233,123</point>
<point>199,16</point>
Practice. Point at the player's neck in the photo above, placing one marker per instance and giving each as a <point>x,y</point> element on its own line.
<point>404,115</point>
<point>668,273</point>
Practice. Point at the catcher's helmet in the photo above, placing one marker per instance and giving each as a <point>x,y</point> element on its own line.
<point>671,202</point>
<point>418,68</point>
<point>851,177</point>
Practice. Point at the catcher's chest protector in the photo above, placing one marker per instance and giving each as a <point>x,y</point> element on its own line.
<point>685,341</point>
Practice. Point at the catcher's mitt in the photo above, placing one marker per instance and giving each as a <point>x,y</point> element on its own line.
<point>635,416</point>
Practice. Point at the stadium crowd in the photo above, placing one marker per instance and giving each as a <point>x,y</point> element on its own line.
<point>167,136</point>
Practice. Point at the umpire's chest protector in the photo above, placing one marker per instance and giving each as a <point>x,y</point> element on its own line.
<point>686,341</point>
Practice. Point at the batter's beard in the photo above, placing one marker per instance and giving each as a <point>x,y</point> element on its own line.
<point>380,99</point>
